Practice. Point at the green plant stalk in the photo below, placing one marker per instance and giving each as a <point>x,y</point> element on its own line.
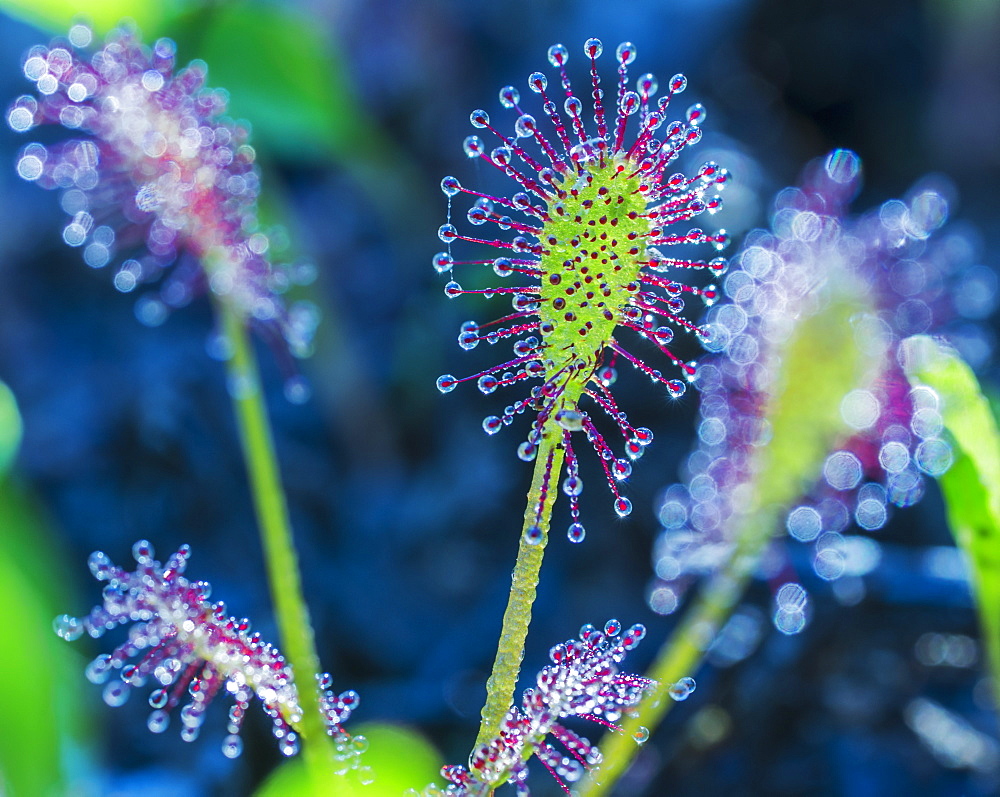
<point>816,371</point>
<point>510,648</point>
<point>683,651</point>
<point>292,614</point>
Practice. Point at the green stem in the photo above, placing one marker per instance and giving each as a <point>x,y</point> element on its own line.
<point>295,629</point>
<point>510,649</point>
<point>682,653</point>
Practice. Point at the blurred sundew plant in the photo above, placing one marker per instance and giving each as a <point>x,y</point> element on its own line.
<point>817,413</point>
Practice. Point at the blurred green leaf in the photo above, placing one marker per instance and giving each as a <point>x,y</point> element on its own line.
<point>971,486</point>
<point>43,718</point>
<point>281,74</point>
<point>10,428</point>
<point>57,16</point>
<point>399,758</point>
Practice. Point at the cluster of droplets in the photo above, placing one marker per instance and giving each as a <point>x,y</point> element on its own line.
<point>160,172</point>
<point>587,225</point>
<point>913,274</point>
<point>582,681</point>
<point>191,650</point>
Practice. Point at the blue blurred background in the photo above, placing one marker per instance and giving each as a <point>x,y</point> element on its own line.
<point>406,514</point>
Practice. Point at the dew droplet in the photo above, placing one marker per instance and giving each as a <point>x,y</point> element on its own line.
<point>509,96</point>
<point>446,383</point>
<point>682,689</point>
<point>623,507</point>
<point>842,470</point>
<point>524,127</point>
<point>641,735</point>
<point>158,721</point>
<point>696,114</point>
<point>576,533</point>
<point>20,119</point>
<point>533,535</point>
<point>142,551</point>
<point>115,693</point>
<point>842,165</point>
<point>571,420</point>
<point>804,523</point>
<point>492,424</point>
<point>626,52</point>
<point>593,48</point>
<point>30,167</point>
<point>473,146</point>
<point>232,746</point>
<point>558,55</point>
<point>621,469</point>
<point>450,186</point>
<point>68,627</point>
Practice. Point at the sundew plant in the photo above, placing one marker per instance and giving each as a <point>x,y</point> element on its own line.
<point>336,554</point>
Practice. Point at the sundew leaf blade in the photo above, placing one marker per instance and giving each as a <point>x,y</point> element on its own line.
<point>821,365</point>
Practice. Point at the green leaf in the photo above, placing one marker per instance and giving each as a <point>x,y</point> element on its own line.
<point>10,428</point>
<point>56,16</point>
<point>41,752</point>
<point>281,73</point>
<point>399,758</point>
<point>971,486</point>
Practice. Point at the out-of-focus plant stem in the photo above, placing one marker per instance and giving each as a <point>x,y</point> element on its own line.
<point>292,615</point>
<point>682,653</point>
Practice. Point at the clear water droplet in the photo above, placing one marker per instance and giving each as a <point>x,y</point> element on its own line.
<point>626,52</point>
<point>158,721</point>
<point>842,165</point>
<point>68,627</point>
<point>682,689</point>
<point>593,48</point>
<point>232,746</point>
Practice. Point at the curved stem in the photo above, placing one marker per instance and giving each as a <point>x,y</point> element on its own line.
<point>684,650</point>
<point>510,649</point>
<point>292,615</point>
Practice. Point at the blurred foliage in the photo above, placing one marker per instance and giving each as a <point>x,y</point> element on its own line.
<point>293,88</point>
<point>40,749</point>
<point>804,415</point>
<point>399,758</point>
<point>103,15</point>
<point>971,486</point>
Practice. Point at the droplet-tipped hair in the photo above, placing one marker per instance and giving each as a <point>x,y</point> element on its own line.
<point>161,173</point>
<point>192,650</point>
<point>917,275</point>
<point>582,681</point>
<point>588,223</point>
